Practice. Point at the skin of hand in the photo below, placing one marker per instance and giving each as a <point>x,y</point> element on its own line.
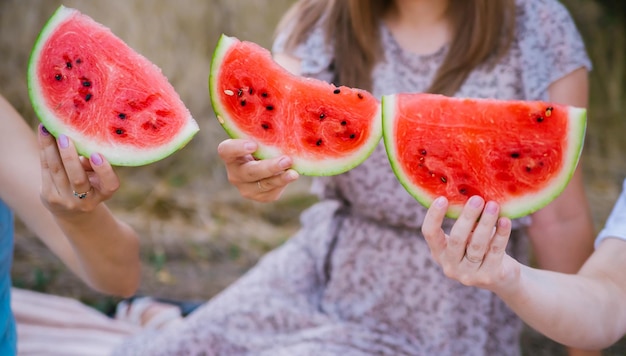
<point>64,172</point>
<point>584,310</point>
<point>34,182</point>
<point>259,180</point>
<point>482,234</point>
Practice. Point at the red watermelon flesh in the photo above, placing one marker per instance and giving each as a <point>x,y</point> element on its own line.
<point>324,128</point>
<point>88,84</point>
<point>521,154</point>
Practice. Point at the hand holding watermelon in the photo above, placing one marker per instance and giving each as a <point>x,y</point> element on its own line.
<point>474,251</point>
<point>72,185</point>
<point>260,180</point>
<point>324,129</point>
<point>129,113</point>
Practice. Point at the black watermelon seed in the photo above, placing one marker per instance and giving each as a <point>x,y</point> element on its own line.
<point>344,123</point>
<point>270,107</point>
<point>337,91</point>
<point>121,115</point>
<point>359,95</point>
<point>352,135</point>
<point>423,152</point>
<point>58,76</point>
<point>444,179</point>
<point>243,103</point>
<point>322,116</point>
<point>463,191</point>
<point>86,83</point>
<point>79,61</point>
<point>319,142</point>
<point>119,131</point>
<point>240,92</point>
<point>264,95</point>
<point>88,97</point>
<point>540,119</point>
<point>528,169</point>
<point>250,91</point>
<point>68,65</point>
<point>265,126</point>
<point>515,154</point>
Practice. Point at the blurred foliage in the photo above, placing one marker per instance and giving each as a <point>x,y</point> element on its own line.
<point>614,9</point>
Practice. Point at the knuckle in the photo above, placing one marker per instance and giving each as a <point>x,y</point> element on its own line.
<point>467,280</point>
<point>79,181</point>
<point>232,178</point>
<point>113,187</point>
<point>449,271</point>
<point>56,169</point>
<point>477,247</point>
<point>454,241</point>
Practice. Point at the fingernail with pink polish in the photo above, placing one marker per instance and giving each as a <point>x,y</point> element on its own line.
<point>64,142</point>
<point>96,159</point>
<point>440,202</point>
<point>284,163</point>
<point>249,146</point>
<point>475,201</point>
<point>491,208</point>
<point>43,130</point>
<point>291,176</point>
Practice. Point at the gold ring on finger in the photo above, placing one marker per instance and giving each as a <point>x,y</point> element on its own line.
<point>82,195</point>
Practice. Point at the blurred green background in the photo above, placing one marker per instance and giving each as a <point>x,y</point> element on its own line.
<point>198,235</point>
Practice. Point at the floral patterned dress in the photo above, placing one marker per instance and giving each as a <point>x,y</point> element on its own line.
<point>358,277</point>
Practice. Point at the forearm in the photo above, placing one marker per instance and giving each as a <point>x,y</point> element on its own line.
<point>107,255</point>
<point>577,311</point>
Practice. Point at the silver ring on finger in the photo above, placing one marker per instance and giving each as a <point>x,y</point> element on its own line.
<point>82,195</point>
<point>472,259</point>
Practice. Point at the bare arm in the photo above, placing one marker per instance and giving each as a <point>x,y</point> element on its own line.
<point>586,310</point>
<point>100,249</point>
<point>562,233</point>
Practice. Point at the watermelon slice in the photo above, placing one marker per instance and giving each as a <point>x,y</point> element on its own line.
<point>521,154</point>
<point>325,129</point>
<point>86,83</point>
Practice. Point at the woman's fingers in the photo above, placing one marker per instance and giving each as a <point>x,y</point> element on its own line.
<point>499,241</point>
<point>68,178</point>
<point>261,180</point>
<point>104,178</point>
<point>431,227</point>
<point>462,229</point>
<point>483,231</point>
<point>74,171</point>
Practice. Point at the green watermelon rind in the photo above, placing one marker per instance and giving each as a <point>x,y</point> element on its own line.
<point>514,208</point>
<point>123,155</point>
<point>304,166</point>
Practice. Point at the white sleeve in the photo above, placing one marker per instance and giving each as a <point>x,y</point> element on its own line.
<point>615,226</point>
